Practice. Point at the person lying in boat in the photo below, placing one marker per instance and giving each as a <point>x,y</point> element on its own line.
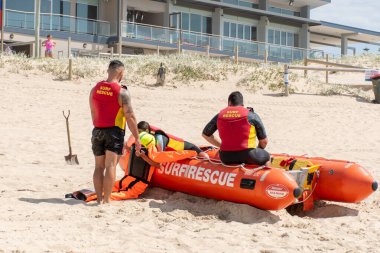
<point>238,129</point>
<point>168,142</point>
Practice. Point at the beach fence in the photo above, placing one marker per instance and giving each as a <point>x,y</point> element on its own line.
<point>338,68</point>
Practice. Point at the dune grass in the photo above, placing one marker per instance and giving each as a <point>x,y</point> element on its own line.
<point>183,69</point>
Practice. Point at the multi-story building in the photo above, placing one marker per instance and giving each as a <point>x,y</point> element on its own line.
<point>277,29</point>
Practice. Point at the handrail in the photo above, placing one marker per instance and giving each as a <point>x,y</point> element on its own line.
<point>333,64</point>
<point>327,69</point>
<point>220,36</point>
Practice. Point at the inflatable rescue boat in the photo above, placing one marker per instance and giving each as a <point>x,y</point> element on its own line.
<point>290,180</point>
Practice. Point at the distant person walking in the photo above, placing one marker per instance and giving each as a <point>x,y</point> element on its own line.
<point>49,45</point>
<point>111,108</point>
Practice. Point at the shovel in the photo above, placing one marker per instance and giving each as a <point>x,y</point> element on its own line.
<point>70,159</point>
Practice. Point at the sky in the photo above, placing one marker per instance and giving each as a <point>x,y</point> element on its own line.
<point>357,13</point>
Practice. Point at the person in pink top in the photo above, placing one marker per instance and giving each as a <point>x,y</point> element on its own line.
<point>49,45</point>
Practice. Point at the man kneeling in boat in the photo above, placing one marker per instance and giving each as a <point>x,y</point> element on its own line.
<point>168,142</point>
<point>238,129</point>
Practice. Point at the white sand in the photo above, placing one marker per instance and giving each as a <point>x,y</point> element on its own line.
<point>34,216</point>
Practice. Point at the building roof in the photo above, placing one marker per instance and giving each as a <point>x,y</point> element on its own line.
<point>330,34</point>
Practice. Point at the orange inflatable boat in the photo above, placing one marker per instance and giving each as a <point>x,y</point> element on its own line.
<point>290,180</point>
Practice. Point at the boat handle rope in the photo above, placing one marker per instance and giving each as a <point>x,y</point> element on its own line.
<point>219,162</point>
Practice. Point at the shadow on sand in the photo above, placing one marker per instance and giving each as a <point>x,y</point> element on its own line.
<point>70,202</point>
<point>324,210</point>
<point>203,208</point>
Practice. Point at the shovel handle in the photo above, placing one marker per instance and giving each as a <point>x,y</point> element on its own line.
<point>68,130</point>
<point>64,115</point>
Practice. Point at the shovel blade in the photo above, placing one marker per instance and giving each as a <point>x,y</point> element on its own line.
<point>71,159</point>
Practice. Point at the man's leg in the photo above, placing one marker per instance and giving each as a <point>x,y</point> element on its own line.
<point>191,146</point>
<point>98,177</point>
<point>258,156</point>
<point>109,178</point>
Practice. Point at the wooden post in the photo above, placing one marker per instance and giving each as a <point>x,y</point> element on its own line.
<point>158,50</point>
<point>236,58</point>
<point>179,46</point>
<point>112,52</point>
<point>2,26</point>
<point>208,50</point>
<point>327,72</point>
<point>286,79</point>
<point>305,64</point>
<point>70,69</point>
<point>37,28</point>
<point>69,47</point>
<point>266,55</point>
<point>39,48</point>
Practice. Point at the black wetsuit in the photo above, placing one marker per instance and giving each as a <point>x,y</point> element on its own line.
<point>249,156</point>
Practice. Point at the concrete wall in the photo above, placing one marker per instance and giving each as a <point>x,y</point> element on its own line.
<point>146,5</point>
<point>108,12</point>
<point>217,21</point>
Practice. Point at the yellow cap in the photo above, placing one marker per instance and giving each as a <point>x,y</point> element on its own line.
<point>147,139</point>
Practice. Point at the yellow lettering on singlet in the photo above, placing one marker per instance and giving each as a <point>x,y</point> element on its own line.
<point>104,90</point>
<point>107,93</point>
<point>232,114</point>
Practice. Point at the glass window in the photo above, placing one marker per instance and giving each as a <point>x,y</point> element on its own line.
<point>61,7</point>
<point>185,21</point>
<point>290,41</point>
<point>253,33</point>
<point>247,32</point>
<point>206,25</point>
<point>283,38</point>
<point>45,6</point>
<point>270,36</point>
<point>234,2</point>
<point>277,37</point>
<point>288,12</point>
<point>87,11</point>
<point>21,5</point>
<point>275,9</point>
<point>195,23</point>
<point>86,8</point>
<point>173,21</point>
<point>296,40</point>
<point>233,30</point>
<point>240,31</point>
<point>248,4</point>
<point>226,29</point>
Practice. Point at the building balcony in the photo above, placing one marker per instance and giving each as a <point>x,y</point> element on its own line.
<point>170,37</point>
<point>56,22</point>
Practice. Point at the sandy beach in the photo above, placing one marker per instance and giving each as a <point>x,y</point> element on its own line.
<point>35,217</point>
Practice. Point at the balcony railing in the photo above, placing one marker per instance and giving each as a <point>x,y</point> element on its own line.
<point>226,45</point>
<point>57,22</point>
